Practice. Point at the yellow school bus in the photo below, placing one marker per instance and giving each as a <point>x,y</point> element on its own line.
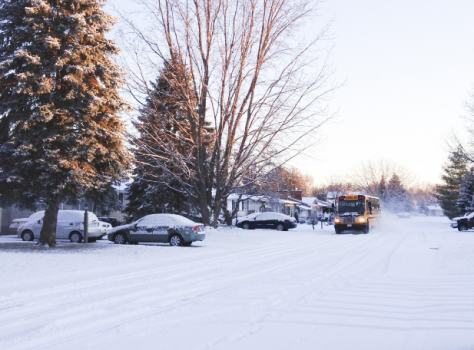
<point>357,212</point>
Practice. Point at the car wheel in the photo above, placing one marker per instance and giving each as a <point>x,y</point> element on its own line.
<point>27,236</point>
<point>75,237</point>
<point>338,230</point>
<point>176,240</point>
<point>462,228</point>
<point>91,240</point>
<point>280,227</point>
<point>367,228</point>
<point>246,226</point>
<point>120,238</point>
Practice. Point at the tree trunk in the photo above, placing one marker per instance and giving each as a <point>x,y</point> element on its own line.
<point>50,221</point>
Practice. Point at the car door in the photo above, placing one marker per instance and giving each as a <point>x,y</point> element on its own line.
<point>63,228</point>
<point>161,229</point>
<point>69,221</point>
<point>142,230</point>
<point>264,220</point>
<point>257,222</point>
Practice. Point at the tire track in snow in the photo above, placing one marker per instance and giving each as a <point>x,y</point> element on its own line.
<point>69,299</point>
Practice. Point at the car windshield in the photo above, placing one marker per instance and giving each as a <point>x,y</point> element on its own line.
<point>357,206</point>
<point>250,216</point>
<point>36,216</point>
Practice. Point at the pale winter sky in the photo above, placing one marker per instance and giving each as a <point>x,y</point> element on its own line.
<point>408,68</point>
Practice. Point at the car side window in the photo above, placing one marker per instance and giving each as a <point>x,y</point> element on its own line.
<point>267,216</point>
<point>153,222</point>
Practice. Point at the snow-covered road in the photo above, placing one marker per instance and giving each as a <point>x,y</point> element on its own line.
<point>408,284</point>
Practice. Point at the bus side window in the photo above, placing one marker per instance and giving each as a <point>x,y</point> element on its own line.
<point>369,204</point>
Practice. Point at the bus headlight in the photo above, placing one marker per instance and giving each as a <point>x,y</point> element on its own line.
<point>337,220</point>
<point>361,219</point>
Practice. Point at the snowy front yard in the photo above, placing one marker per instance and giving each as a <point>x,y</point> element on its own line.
<point>408,284</point>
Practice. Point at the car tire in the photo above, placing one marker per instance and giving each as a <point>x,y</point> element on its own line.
<point>281,227</point>
<point>338,230</point>
<point>176,241</point>
<point>462,228</point>
<point>75,237</point>
<point>91,240</point>
<point>27,236</point>
<point>120,238</point>
<point>187,244</point>
<point>246,226</point>
<point>367,228</point>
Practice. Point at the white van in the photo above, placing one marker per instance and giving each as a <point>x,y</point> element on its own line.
<point>70,226</point>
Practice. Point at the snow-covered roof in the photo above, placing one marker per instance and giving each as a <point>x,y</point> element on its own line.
<point>308,200</point>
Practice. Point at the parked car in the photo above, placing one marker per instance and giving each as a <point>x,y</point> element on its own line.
<point>105,227</point>
<point>160,228</point>
<point>111,220</point>
<point>70,226</point>
<point>13,228</point>
<point>463,223</point>
<point>278,221</point>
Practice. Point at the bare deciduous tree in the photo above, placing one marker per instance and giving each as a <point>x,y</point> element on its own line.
<point>254,77</point>
<point>373,177</point>
<point>335,186</point>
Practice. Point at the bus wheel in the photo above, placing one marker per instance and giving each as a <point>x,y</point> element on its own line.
<point>338,230</point>
<point>367,228</point>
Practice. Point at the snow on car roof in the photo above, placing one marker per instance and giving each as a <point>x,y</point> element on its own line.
<point>177,219</point>
<point>65,215</point>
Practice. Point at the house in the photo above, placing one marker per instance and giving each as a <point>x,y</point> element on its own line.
<point>434,210</point>
<point>318,207</point>
<point>286,202</point>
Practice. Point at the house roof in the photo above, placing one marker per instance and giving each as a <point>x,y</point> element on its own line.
<point>308,200</point>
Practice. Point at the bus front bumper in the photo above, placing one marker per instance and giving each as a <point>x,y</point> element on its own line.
<point>350,226</point>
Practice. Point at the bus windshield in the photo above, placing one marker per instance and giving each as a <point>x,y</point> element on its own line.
<point>351,206</point>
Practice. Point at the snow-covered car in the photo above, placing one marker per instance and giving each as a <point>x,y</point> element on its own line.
<point>463,223</point>
<point>70,226</point>
<point>13,228</point>
<point>105,227</point>
<point>159,228</point>
<point>278,221</point>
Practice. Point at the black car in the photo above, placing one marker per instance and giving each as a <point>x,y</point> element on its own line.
<point>463,223</point>
<point>277,221</point>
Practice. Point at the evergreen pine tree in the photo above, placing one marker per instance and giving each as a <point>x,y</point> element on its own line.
<point>164,152</point>
<point>465,202</point>
<point>60,136</point>
<point>448,193</point>
<point>397,198</point>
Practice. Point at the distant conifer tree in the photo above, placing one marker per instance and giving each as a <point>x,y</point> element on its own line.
<point>448,193</point>
<point>397,198</point>
<point>465,202</point>
<point>60,134</point>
